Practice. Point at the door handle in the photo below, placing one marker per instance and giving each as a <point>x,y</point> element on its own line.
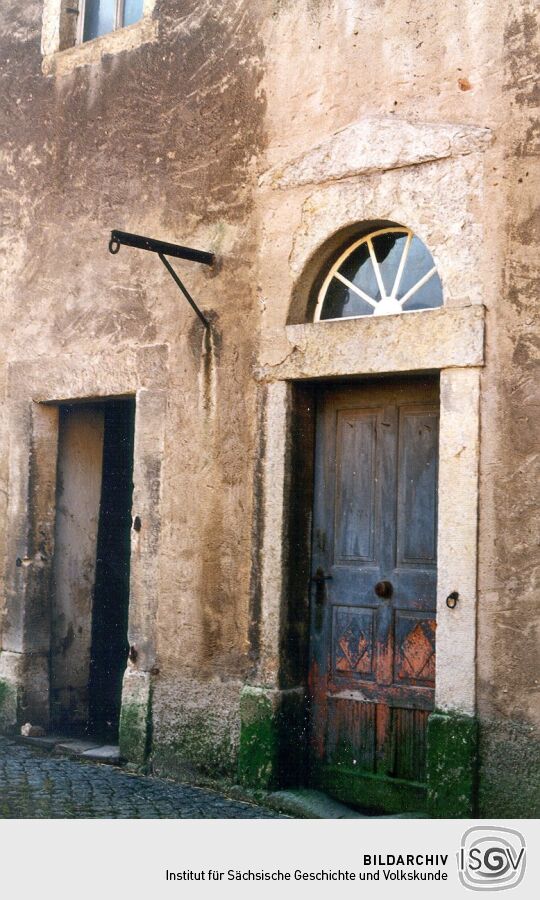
<point>319,578</point>
<point>384,589</point>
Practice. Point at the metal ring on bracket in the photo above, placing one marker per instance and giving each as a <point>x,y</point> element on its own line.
<point>114,246</point>
<point>452,599</point>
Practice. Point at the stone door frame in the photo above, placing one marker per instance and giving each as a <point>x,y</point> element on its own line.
<point>450,341</point>
<point>35,390</point>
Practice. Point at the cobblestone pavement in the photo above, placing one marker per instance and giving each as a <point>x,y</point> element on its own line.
<point>35,785</point>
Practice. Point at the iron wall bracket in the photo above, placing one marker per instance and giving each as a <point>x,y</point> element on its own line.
<point>163,249</point>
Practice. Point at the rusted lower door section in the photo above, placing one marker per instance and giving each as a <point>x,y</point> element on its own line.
<point>374,575</point>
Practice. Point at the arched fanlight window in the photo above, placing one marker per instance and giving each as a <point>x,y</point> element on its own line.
<point>385,272</point>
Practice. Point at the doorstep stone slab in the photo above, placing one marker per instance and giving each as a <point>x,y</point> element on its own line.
<point>75,747</point>
<point>47,742</point>
<point>306,803</point>
<point>310,804</point>
<point>109,753</point>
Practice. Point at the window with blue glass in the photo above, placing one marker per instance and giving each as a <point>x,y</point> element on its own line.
<point>102,16</point>
<point>385,272</point>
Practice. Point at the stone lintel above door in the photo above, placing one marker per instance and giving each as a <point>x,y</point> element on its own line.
<point>450,337</point>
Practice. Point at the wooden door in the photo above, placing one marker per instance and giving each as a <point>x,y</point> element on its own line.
<point>374,575</point>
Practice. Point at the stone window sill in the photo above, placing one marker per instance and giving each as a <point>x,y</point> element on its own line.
<point>62,62</point>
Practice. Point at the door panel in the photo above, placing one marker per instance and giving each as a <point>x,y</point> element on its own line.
<point>417,499</point>
<point>372,667</point>
<point>414,643</point>
<point>355,487</point>
<point>353,641</point>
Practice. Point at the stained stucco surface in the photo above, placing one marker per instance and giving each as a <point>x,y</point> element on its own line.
<point>176,138</point>
<point>160,143</point>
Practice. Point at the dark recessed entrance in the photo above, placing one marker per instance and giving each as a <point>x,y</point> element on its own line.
<point>111,592</point>
<point>91,572</point>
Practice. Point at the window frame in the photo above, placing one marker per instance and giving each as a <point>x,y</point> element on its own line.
<point>348,250</point>
<point>61,50</point>
<point>119,11</point>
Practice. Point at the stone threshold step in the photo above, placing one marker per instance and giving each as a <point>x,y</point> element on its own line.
<point>77,747</point>
<point>306,803</point>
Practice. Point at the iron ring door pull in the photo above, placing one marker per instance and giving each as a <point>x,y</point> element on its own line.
<point>384,590</point>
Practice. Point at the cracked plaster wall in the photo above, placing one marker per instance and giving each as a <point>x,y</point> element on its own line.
<point>171,138</point>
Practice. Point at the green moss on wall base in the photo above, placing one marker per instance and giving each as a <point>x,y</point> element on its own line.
<point>488,768</point>
<point>371,792</point>
<point>134,736</point>
<point>135,732</point>
<point>8,706</point>
<point>272,738</point>
<point>452,743</point>
<point>199,747</point>
<point>259,739</point>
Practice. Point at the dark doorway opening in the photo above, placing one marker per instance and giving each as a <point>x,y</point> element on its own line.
<point>109,648</point>
<point>90,601</point>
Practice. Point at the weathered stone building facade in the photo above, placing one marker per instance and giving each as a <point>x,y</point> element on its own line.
<point>275,135</point>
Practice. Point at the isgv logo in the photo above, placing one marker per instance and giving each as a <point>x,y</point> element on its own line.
<point>491,858</point>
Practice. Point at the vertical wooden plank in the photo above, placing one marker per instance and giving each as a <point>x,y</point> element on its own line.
<point>383,717</point>
<point>409,729</point>
<point>387,429</point>
<point>351,736</point>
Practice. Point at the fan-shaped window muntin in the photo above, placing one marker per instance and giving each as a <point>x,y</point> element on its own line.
<point>383,273</point>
